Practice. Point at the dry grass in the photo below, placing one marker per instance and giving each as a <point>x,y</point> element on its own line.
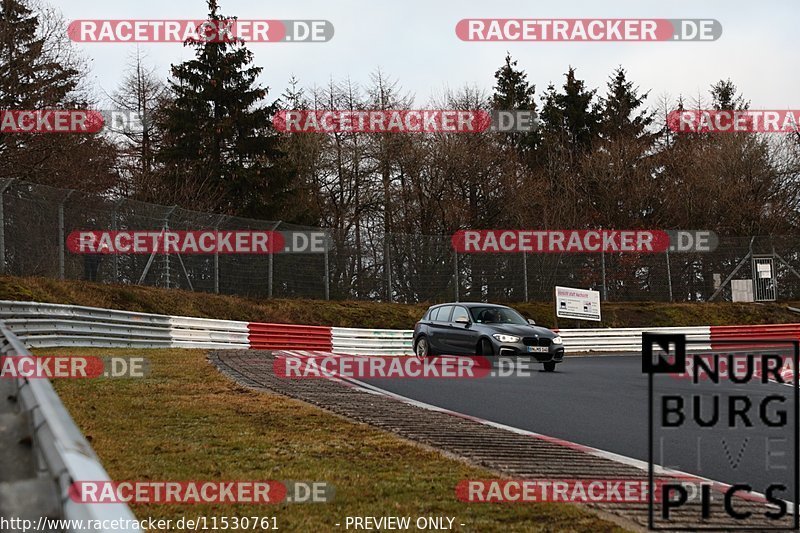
<point>186,421</point>
<point>366,314</point>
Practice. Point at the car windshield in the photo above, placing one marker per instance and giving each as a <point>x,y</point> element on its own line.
<point>496,315</point>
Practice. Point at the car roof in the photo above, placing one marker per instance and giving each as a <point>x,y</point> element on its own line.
<point>470,304</point>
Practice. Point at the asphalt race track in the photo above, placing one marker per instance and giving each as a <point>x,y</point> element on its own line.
<point>602,402</point>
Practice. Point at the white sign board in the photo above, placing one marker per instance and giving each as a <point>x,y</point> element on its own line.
<point>579,304</point>
<point>742,290</point>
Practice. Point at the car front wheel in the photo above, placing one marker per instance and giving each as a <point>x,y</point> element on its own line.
<point>486,347</point>
<point>549,366</point>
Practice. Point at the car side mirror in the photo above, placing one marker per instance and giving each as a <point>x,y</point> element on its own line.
<point>532,322</point>
<point>462,320</point>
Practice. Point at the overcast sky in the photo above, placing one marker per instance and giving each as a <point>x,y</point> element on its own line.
<point>414,41</point>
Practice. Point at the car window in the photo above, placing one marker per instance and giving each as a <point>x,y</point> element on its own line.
<point>444,313</point>
<point>459,313</point>
<point>497,315</point>
<point>433,312</point>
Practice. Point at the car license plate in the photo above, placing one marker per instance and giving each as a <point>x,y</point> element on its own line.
<point>538,349</point>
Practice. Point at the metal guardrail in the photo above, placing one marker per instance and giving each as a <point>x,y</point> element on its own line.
<point>62,454</point>
<point>722,335</point>
<point>399,342</point>
<point>627,339</point>
<point>52,325</point>
<point>289,337</point>
<point>358,341</point>
<point>44,325</point>
<point>22,309</point>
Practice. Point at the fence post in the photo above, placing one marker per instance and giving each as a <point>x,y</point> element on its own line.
<point>269,275</point>
<point>669,276</point>
<point>5,186</point>
<point>327,276</point>
<point>216,256</point>
<point>455,272</point>
<point>216,272</point>
<point>114,224</point>
<point>269,264</point>
<point>61,251</point>
<point>603,272</point>
<point>525,273</point>
<point>166,255</point>
<point>387,262</point>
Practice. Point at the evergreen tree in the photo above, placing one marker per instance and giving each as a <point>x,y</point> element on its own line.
<point>303,153</point>
<point>621,172</point>
<point>572,117</point>
<point>724,96</point>
<point>512,92</point>
<point>569,122</point>
<point>36,73</point>
<point>219,150</point>
<point>621,108</point>
<point>28,78</point>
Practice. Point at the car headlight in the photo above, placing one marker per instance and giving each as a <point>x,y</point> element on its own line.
<point>558,340</point>
<point>506,338</point>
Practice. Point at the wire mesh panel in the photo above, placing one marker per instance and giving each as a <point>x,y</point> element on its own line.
<point>362,262</point>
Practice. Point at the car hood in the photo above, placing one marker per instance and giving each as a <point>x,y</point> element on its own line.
<point>521,330</point>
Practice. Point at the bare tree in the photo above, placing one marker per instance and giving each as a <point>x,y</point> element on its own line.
<point>135,103</point>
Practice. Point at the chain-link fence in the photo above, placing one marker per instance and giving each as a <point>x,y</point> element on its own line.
<point>36,219</point>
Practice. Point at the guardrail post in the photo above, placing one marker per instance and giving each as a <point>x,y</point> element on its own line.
<point>5,186</point>
<point>61,230</point>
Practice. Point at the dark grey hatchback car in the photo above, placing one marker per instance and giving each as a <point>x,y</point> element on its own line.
<point>485,329</point>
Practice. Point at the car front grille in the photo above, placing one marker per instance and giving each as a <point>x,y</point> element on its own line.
<point>536,341</point>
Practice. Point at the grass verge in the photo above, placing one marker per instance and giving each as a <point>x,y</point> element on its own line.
<point>186,421</point>
<point>368,314</point>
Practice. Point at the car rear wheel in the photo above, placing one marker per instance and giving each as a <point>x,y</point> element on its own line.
<point>549,366</point>
<point>485,347</point>
<point>422,349</point>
